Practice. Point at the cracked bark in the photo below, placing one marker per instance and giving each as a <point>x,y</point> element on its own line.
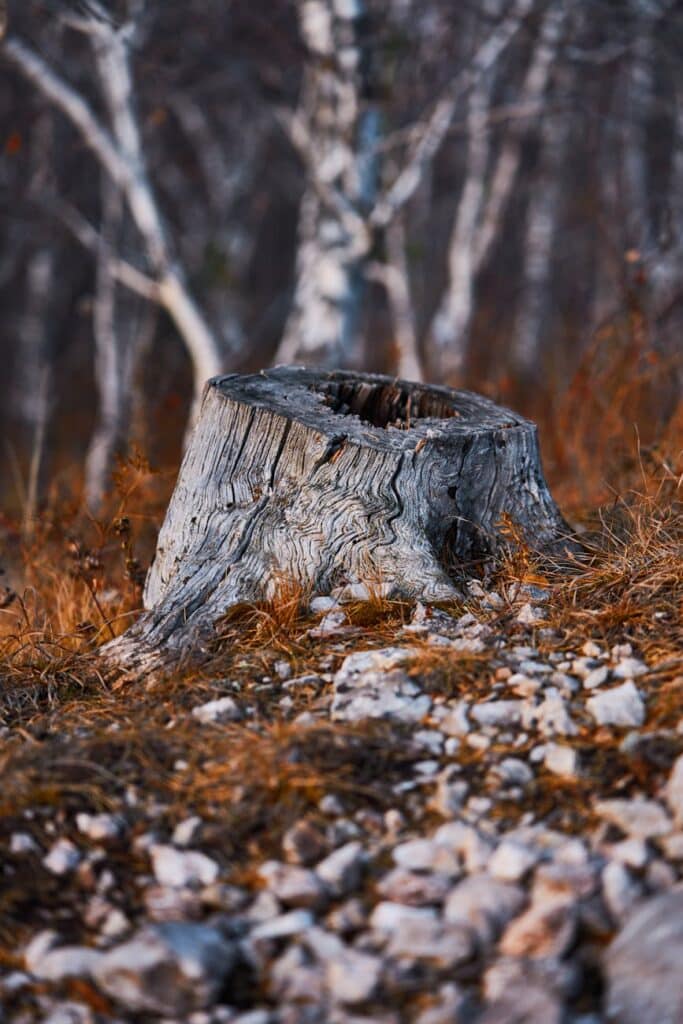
<point>327,478</point>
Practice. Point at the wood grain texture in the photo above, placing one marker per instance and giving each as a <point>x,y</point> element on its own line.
<point>323,479</point>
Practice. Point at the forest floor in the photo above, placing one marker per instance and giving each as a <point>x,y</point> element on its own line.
<point>370,811</point>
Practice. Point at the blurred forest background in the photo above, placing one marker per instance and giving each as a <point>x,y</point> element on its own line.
<point>486,192</point>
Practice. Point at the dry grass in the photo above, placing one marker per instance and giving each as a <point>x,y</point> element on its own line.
<point>73,744</point>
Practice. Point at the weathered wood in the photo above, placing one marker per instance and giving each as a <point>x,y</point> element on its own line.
<point>324,479</point>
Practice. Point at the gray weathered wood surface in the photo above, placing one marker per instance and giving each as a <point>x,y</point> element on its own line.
<point>326,478</point>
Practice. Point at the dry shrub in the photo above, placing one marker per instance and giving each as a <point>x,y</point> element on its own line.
<point>630,583</point>
<point>622,408</point>
<point>75,581</point>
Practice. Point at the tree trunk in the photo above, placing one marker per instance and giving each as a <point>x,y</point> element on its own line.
<point>113,359</point>
<point>321,479</point>
<point>343,129</point>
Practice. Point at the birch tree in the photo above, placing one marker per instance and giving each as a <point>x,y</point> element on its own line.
<point>118,148</point>
<point>336,129</point>
<point>486,192</point>
<point>114,357</point>
<point>540,236</point>
<point>342,209</point>
<point>33,394</point>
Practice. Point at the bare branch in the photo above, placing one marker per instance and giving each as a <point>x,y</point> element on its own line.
<point>84,232</point>
<point>123,159</point>
<point>436,128</point>
<point>333,198</point>
<point>508,162</point>
<point>66,99</point>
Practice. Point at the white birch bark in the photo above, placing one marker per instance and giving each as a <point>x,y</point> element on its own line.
<point>539,243</point>
<point>485,195</point>
<point>113,362</point>
<point>431,134</point>
<point>393,275</point>
<point>451,321</point>
<point>121,155</point>
<point>506,168</point>
<point>638,93</point>
<point>32,389</point>
<point>341,130</point>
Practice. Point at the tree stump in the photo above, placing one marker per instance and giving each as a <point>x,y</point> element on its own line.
<point>320,479</point>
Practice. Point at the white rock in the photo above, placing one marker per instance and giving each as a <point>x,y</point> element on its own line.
<point>535,668</point>
<point>293,885</point>
<point>631,852</point>
<point>521,998</point>
<point>512,861</point>
<point>621,651</point>
<point>544,930</point>
<point>523,685</point>
<point>512,771</point>
<point>497,714</point>
<point>621,705</point>
<point>284,926</point>
<point>69,1012</point>
<point>223,709</point>
<point>99,827</point>
<point>643,965</point>
<point>382,660</point>
<point>620,890</point>
<point>186,830</point>
<point>164,903</point>
<point>304,843</point>
<point>640,818</point>
<point>115,925</point>
<point>427,855</point>
<point>448,1008</point>
<point>180,868</point>
<point>62,857</point>
<point>629,668</point>
<point>415,890</point>
<point>40,944</point>
<point>596,677</point>
<point>350,976</point>
<point>341,871</point>
<point>66,962</point>
<point>443,944</point>
<point>450,793</point>
<point>530,615</point>
<point>468,842</point>
<point>170,969</point>
<point>392,917</point>
<point>674,790</point>
<point>673,846</point>
<point>484,903</point>
<point>323,604</point>
<point>551,716</point>
<point>377,694</point>
<point>22,842</point>
<point>14,982</point>
<point>430,739</point>
<point>560,760</point>
<point>591,650</point>
<point>331,623</point>
<point>478,741</point>
<point>566,685</point>
<point>455,722</point>
<point>293,978</point>
<point>582,667</point>
<point>659,876</point>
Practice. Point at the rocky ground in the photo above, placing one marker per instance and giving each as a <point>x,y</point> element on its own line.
<point>399,815</point>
